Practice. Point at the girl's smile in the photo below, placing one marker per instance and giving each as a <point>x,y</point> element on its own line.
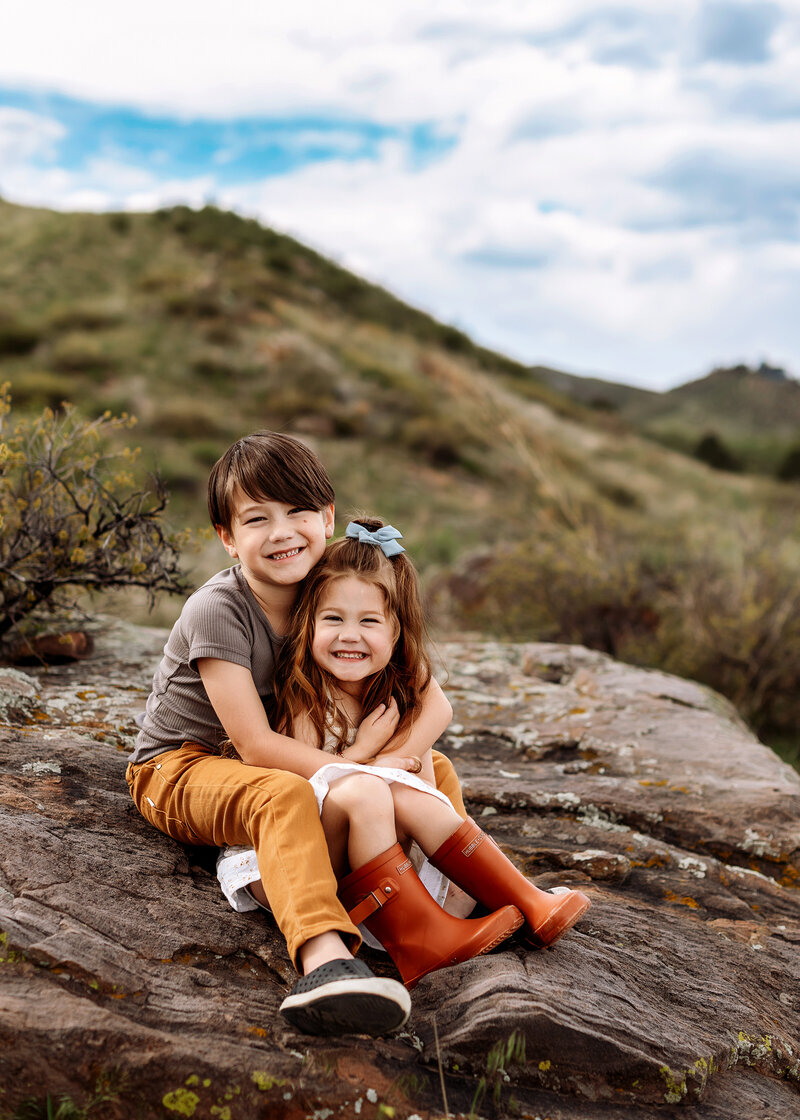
<point>354,631</point>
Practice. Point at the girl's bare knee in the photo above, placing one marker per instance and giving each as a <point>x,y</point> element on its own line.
<point>360,792</point>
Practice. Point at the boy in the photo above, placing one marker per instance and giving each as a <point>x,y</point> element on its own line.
<point>271,503</point>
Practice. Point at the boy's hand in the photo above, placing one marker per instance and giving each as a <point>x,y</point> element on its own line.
<point>410,763</point>
<point>374,732</point>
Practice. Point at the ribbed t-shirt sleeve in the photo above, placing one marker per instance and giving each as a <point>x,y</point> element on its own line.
<point>215,624</point>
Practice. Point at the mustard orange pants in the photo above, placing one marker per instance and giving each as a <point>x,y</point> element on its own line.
<point>196,797</point>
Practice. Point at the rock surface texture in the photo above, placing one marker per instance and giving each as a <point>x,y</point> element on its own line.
<point>128,984</point>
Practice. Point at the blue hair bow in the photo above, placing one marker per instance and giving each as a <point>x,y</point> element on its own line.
<point>385,538</point>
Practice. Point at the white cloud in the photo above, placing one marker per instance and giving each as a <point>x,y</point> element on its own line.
<point>26,136</point>
<point>570,222</point>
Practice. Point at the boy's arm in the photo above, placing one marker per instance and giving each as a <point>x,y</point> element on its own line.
<point>235,699</point>
<point>432,721</point>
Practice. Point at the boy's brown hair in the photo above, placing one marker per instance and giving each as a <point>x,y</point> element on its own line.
<point>267,465</point>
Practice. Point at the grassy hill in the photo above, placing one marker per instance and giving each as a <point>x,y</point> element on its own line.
<point>529,513</point>
<point>755,413</point>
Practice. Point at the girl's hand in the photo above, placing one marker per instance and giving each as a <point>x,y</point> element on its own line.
<point>374,732</point>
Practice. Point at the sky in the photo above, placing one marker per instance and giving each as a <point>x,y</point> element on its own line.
<point>612,189</point>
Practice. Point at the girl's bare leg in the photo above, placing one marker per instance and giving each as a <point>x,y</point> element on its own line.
<point>358,821</point>
<point>424,818</point>
<point>429,821</point>
<point>458,902</point>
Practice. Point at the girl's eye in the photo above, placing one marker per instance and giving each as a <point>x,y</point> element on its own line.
<point>376,620</point>
<point>330,618</point>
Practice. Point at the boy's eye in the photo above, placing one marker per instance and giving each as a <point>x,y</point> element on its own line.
<point>299,509</point>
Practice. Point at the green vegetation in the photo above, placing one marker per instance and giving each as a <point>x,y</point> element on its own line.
<point>107,1091</point>
<point>70,516</point>
<point>530,514</point>
<point>723,612</point>
<point>501,1058</point>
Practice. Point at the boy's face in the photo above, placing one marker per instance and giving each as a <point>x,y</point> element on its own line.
<point>276,544</point>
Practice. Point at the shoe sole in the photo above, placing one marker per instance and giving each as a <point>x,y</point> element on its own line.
<point>559,922</point>
<point>376,1008</point>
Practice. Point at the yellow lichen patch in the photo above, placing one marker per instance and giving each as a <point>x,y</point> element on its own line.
<point>676,1085</point>
<point>182,1101</point>
<point>222,1112</point>
<point>193,1079</point>
<point>8,956</point>
<point>653,861</point>
<point>545,1066</point>
<point>265,1081</point>
<point>684,900</point>
<point>258,1031</point>
<point>790,877</point>
<point>647,782</point>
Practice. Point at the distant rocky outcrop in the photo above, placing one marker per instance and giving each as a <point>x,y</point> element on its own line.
<point>128,985</point>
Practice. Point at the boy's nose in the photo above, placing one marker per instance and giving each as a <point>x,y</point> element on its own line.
<point>280,530</point>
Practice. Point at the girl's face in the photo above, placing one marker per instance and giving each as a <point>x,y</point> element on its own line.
<point>354,630</point>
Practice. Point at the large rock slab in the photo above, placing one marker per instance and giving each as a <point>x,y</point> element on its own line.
<point>126,976</point>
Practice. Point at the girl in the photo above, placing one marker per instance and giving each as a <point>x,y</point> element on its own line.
<point>357,645</point>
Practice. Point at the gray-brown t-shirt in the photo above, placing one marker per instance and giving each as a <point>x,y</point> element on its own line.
<point>221,619</point>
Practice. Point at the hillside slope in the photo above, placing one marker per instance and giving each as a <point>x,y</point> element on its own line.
<point>529,514</point>
<point>754,411</point>
<point>205,325</point>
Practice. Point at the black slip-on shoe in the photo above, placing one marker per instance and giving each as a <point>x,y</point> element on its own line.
<point>344,997</point>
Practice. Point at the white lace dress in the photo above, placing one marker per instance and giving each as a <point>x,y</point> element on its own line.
<point>237,866</point>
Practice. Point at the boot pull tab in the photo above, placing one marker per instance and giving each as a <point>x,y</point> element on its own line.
<point>386,891</point>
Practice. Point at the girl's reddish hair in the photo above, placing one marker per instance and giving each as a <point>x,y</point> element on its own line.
<point>302,688</point>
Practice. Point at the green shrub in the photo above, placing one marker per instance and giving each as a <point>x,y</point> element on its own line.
<point>195,303</point>
<point>185,417</point>
<point>78,352</point>
<point>72,517</point>
<point>18,336</point>
<point>712,451</point>
<point>39,388</point>
<point>789,469</point>
<point>727,616</point>
<point>87,315</point>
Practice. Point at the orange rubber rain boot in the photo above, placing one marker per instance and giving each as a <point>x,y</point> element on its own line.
<point>475,863</point>
<point>387,895</point>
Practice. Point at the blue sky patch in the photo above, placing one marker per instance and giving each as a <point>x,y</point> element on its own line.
<point>235,151</point>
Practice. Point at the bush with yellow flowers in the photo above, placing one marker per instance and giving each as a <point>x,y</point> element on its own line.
<point>72,515</point>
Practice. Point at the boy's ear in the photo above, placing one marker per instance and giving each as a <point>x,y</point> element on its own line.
<point>227,540</point>
<point>330,518</point>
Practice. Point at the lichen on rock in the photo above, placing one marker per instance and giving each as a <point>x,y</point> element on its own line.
<point>676,991</point>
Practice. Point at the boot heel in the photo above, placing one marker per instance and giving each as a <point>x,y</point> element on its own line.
<point>558,921</point>
<point>471,859</point>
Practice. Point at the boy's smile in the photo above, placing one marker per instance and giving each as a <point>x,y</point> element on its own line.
<point>277,544</point>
